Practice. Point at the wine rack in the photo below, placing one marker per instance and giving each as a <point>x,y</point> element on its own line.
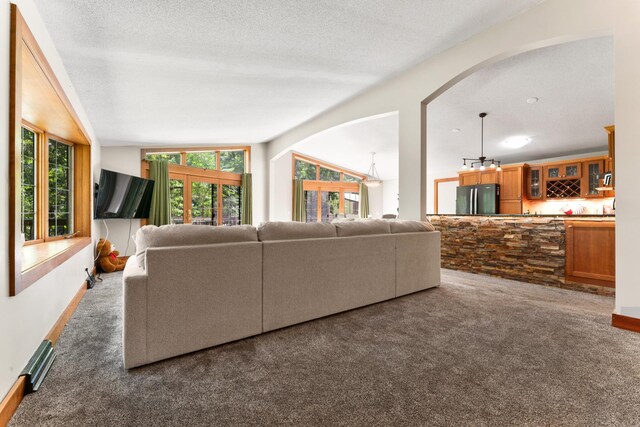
<point>563,189</point>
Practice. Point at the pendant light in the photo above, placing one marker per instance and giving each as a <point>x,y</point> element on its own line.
<point>373,179</point>
<point>481,162</point>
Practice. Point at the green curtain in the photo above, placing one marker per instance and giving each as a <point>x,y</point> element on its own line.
<point>246,215</point>
<point>364,201</point>
<point>299,209</point>
<point>160,213</point>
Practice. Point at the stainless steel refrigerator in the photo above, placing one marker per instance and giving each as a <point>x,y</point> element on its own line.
<point>483,199</point>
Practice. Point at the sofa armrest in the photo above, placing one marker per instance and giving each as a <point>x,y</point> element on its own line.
<point>134,330</point>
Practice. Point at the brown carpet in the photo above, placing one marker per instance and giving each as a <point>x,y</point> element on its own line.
<point>476,351</point>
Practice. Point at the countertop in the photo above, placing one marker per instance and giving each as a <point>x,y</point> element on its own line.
<point>584,217</point>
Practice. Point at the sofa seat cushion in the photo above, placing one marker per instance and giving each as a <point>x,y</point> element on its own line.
<point>291,230</point>
<point>151,236</point>
<point>363,227</point>
<point>403,226</point>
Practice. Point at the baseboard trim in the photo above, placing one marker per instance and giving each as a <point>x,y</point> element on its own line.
<point>625,322</point>
<point>10,403</point>
<point>12,400</point>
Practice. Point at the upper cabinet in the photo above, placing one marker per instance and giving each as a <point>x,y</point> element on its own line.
<point>562,171</point>
<point>534,183</point>
<point>489,176</point>
<point>592,172</point>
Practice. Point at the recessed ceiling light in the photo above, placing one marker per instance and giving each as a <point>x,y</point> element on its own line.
<point>517,141</point>
<point>532,100</point>
<point>455,130</point>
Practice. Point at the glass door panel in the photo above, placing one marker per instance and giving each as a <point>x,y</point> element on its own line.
<point>351,204</point>
<point>311,203</point>
<point>330,205</point>
<point>204,202</point>
<point>231,204</point>
<point>176,195</point>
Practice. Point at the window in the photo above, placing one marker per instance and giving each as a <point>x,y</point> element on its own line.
<point>205,184</point>
<point>172,158</point>
<point>204,160</point>
<point>232,161</point>
<point>351,203</point>
<point>28,188</point>
<point>329,175</point>
<point>329,190</point>
<point>55,218</point>
<point>305,170</point>
<point>60,189</point>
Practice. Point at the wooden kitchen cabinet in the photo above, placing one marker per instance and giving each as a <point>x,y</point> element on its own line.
<point>562,171</point>
<point>510,180</point>
<point>591,178</point>
<point>535,183</point>
<point>469,178</point>
<point>489,176</point>
<point>590,252</point>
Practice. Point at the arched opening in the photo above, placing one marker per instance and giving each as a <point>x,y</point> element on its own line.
<point>345,149</point>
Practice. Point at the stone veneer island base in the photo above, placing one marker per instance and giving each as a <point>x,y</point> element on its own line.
<point>527,248</point>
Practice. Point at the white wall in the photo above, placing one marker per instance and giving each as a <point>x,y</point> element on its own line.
<point>280,188</point>
<point>390,197</point>
<point>28,317</point>
<point>627,70</point>
<point>376,201</point>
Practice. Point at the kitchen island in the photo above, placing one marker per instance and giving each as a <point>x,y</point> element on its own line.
<point>532,248</point>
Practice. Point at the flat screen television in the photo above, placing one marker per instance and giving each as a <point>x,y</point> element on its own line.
<point>122,196</point>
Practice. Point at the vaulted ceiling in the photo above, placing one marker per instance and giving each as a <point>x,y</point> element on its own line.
<point>153,72</point>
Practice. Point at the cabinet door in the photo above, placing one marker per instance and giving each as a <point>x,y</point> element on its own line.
<point>510,207</point>
<point>591,173</point>
<point>489,177</point>
<point>563,171</point>
<point>534,183</point>
<point>469,178</point>
<point>511,184</point>
<point>573,170</point>
<point>552,172</point>
<point>590,254</point>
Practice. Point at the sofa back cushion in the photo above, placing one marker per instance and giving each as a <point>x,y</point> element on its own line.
<point>363,227</point>
<point>291,230</point>
<point>151,236</point>
<point>403,226</point>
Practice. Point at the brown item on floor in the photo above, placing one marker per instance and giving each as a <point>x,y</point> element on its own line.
<point>108,260</point>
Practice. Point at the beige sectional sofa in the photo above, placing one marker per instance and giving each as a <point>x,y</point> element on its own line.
<point>193,287</point>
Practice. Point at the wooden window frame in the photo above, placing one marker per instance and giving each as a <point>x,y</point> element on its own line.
<point>214,176</point>
<point>28,263</point>
<point>318,185</point>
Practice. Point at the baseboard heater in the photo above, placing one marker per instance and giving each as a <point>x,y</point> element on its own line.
<point>38,366</point>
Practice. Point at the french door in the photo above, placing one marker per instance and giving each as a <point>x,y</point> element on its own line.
<point>324,201</point>
<point>203,200</point>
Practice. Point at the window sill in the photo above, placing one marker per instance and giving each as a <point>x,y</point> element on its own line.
<point>41,258</point>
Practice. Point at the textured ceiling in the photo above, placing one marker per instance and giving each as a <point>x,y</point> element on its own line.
<point>574,84</point>
<point>153,72</point>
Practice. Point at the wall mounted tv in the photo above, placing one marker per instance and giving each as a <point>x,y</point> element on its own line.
<point>122,196</point>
